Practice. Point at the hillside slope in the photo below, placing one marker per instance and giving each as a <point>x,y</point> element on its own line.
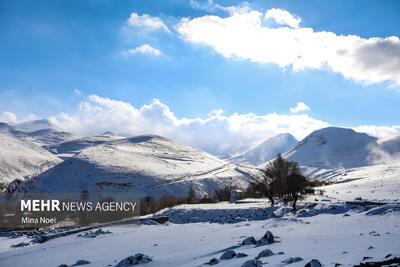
<point>6,128</point>
<point>73,147</point>
<point>37,133</point>
<point>36,125</point>
<point>149,165</point>
<point>266,150</point>
<point>46,137</point>
<point>334,147</point>
<point>21,159</point>
<point>390,145</point>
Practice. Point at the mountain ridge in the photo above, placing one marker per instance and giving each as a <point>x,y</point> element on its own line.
<point>148,165</point>
<point>41,136</point>
<point>334,147</point>
<point>267,150</point>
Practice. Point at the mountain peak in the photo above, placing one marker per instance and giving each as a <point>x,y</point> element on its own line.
<point>36,125</point>
<point>333,147</point>
<point>108,133</point>
<point>267,150</point>
<point>146,164</point>
<point>338,136</point>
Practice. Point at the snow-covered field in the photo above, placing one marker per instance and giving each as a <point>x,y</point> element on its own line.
<point>328,238</point>
<point>324,228</point>
<point>376,183</point>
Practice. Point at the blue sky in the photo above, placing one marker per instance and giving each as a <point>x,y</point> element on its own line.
<point>55,54</point>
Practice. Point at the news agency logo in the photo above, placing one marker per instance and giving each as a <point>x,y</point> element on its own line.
<point>56,205</point>
<point>42,211</point>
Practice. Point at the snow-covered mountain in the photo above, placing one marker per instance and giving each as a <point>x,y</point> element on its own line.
<point>21,159</point>
<point>149,165</point>
<point>73,147</point>
<point>6,128</point>
<point>36,125</point>
<point>266,150</point>
<point>37,133</point>
<point>390,145</point>
<point>334,147</point>
<point>46,137</point>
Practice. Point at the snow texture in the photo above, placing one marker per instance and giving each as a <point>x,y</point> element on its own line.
<point>149,165</point>
<point>40,132</point>
<point>333,148</point>
<point>324,234</point>
<point>267,150</point>
<point>73,147</point>
<point>20,159</point>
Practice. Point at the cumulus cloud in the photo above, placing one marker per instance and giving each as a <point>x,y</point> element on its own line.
<point>379,131</point>
<point>145,49</point>
<point>8,117</point>
<point>147,22</point>
<point>219,134</point>
<point>11,118</point>
<point>299,107</point>
<point>283,17</point>
<point>244,35</point>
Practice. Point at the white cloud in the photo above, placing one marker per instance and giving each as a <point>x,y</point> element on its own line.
<point>211,6</point>
<point>145,49</point>
<point>30,117</point>
<point>11,118</point>
<point>147,22</point>
<point>77,92</point>
<point>208,5</point>
<point>244,35</point>
<point>218,134</point>
<point>8,117</point>
<point>379,131</point>
<point>283,17</point>
<point>299,107</point>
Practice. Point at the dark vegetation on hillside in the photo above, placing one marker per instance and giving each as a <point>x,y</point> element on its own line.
<point>281,179</point>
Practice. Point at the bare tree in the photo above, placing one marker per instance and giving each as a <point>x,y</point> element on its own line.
<point>280,178</point>
<point>295,187</point>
